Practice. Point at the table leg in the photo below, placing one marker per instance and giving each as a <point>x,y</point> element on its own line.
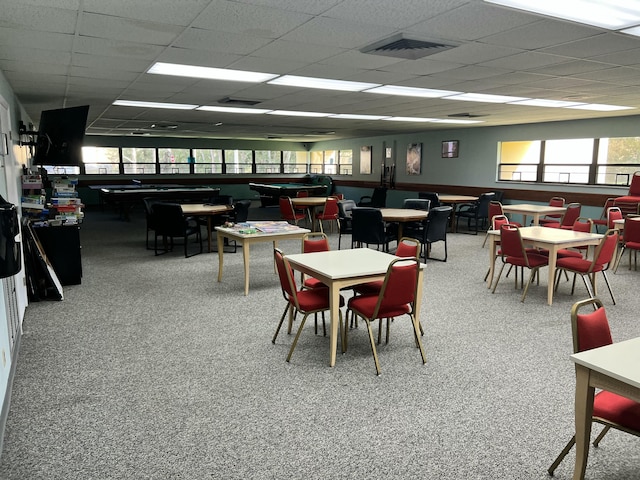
<point>584,413</point>
<point>220,255</point>
<point>245,258</point>
<point>553,256</point>
<point>400,231</point>
<point>209,231</point>
<point>334,306</point>
<point>275,268</point>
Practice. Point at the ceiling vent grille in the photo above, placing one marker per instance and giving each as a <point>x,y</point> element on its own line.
<point>467,115</point>
<point>238,101</point>
<point>400,46</point>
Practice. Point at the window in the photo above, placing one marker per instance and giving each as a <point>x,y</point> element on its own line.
<point>585,161</point>
<point>173,160</point>
<point>295,162</point>
<point>238,161</point>
<point>317,162</point>
<point>139,161</point>
<point>345,166</point>
<point>267,161</point>
<point>101,160</point>
<point>330,162</point>
<point>208,160</point>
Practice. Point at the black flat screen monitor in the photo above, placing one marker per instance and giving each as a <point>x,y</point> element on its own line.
<point>60,136</point>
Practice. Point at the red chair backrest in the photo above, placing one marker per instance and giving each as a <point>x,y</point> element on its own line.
<point>495,208</point>
<point>406,249</point>
<point>286,208</point>
<point>613,213</point>
<point>511,241</point>
<point>315,243</point>
<point>572,213</point>
<point>498,220</point>
<point>556,202</point>
<point>634,188</point>
<point>582,225</point>
<point>330,208</point>
<point>632,230</point>
<point>285,274</point>
<point>590,330</point>
<point>399,287</point>
<point>606,249</point>
<point>302,193</point>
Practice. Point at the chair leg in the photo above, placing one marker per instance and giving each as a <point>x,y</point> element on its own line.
<point>275,335</point>
<point>373,346</point>
<point>295,340</point>
<point>497,279</point>
<point>561,456</point>
<point>526,289</point>
<point>606,280</point>
<point>416,328</point>
<point>604,431</point>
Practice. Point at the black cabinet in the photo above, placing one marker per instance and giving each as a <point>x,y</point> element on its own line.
<point>61,245</point>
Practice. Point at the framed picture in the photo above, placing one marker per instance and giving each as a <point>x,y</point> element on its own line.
<point>450,149</point>
<point>365,160</point>
<point>414,158</point>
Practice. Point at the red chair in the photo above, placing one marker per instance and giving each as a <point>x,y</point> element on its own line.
<point>514,253</point>
<point>582,224</point>
<point>591,330</point>
<point>602,259</point>
<point>315,242</point>
<point>613,213</point>
<point>330,212</point>
<point>397,297</point>
<point>287,212</point>
<point>631,241</point>
<point>304,301</point>
<point>603,220</point>
<point>570,216</point>
<point>495,209</point>
<point>554,217</point>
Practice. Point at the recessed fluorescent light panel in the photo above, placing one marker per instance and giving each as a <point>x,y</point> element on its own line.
<point>293,113</point>
<point>600,107</point>
<point>322,83</point>
<point>193,71</point>
<point>136,103</point>
<point>408,119</point>
<point>254,111</point>
<point>350,116</point>
<point>486,98</point>
<point>540,102</point>
<point>610,14</point>
<point>411,91</point>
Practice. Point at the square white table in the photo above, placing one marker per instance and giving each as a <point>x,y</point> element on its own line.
<point>343,268</point>
<point>613,368</point>
<point>552,239</point>
<point>536,211</point>
<point>288,232</point>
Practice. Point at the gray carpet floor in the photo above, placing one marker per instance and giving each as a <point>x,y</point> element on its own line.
<point>151,369</point>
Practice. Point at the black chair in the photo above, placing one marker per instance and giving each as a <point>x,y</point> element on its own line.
<point>148,203</point>
<point>432,197</point>
<point>369,228</point>
<point>415,227</point>
<point>170,223</point>
<point>435,231</point>
<point>417,203</point>
<point>344,218</point>
<point>476,213</point>
<point>378,199</point>
<point>240,215</point>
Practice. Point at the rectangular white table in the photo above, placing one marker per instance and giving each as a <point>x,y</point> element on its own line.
<point>288,232</point>
<point>614,368</point>
<point>536,211</point>
<point>344,268</point>
<point>552,239</point>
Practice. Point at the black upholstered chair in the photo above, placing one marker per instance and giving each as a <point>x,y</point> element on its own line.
<point>344,218</point>
<point>369,228</point>
<point>378,199</point>
<point>433,197</point>
<point>476,213</point>
<point>148,203</point>
<point>436,231</point>
<point>170,223</point>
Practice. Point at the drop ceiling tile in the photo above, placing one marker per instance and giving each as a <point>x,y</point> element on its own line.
<point>182,12</point>
<point>298,51</point>
<point>312,7</point>
<point>218,41</point>
<point>571,68</point>
<point>526,61</point>
<point>472,72</point>
<point>543,33</point>
<point>260,64</point>
<point>128,30</point>
<point>620,75</point>
<point>625,58</point>
<point>114,48</point>
<point>43,18</point>
<point>424,66</point>
<point>354,58</point>
<point>474,53</point>
<point>27,39</point>
<point>196,57</point>
<point>601,44</point>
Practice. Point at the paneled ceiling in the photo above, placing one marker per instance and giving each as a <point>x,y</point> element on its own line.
<point>64,53</point>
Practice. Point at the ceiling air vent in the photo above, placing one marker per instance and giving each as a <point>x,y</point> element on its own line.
<point>401,46</point>
<point>238,101</point>
<point>467,115</point>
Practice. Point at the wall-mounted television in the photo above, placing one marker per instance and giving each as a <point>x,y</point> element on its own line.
<point>60,136</point>
<point>450,149</point>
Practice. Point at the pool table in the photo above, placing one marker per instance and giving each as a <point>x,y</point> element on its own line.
<point>270,193</point>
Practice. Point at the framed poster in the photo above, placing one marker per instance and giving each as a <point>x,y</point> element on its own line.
<point>414,158</point>
<point>450,149</point>
<point>365,160</point>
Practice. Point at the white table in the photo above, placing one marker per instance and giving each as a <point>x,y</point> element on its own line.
<point>288,232</point>
<point>553,239</point>
<point>536,211</point>
<point>613,368</point>
<point>402,215</point>
<point>343,268</point>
